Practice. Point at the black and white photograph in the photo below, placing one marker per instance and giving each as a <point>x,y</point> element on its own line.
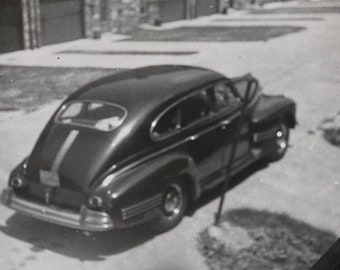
<point>169,134</point>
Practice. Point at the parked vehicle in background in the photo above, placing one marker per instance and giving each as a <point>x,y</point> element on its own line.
<point>141,145</point>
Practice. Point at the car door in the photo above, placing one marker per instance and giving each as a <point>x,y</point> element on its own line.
<point>193,124</point>
<point>204,135</point>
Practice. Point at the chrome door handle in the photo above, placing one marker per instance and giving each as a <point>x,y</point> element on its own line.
<point>224,124</point>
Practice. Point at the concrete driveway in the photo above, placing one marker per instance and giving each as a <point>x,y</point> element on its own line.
<point>305,184</point>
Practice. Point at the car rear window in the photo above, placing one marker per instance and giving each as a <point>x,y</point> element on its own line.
<point>92,114</point>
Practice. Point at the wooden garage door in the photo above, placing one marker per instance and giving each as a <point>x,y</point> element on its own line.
<point>172,10</point>
<point>206,7</point>
<point>61,20</point>
<point>10,26</point>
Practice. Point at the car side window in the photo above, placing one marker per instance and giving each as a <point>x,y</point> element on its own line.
<point>241,87</point>
<point>194,108</point>
<point>186,112</point>
<point>169,122</point>
<point>225,98</point>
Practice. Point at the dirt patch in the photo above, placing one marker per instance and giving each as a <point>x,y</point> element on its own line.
<point>215,33</point>
<point>278,242</point>
<point>28,87</point>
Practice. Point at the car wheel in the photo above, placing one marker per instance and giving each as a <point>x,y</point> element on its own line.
<point>173,208</point>
<point>280,142</point>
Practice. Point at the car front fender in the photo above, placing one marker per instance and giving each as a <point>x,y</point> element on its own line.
<point>271,110</point>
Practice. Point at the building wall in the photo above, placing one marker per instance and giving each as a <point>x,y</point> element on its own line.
<point>31,23</point>
<point>53,17</point>
<point>11,36</point>
<point>99,16</point>
<point>125,15</point>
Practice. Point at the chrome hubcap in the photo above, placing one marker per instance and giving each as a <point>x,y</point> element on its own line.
<point>281,138</point>
<point>172,201</point>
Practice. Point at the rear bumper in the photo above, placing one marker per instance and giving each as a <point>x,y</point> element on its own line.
<point>86,219</point>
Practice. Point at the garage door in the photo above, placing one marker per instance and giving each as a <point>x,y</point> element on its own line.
<point>172,10</point>
<point>61,20</point>
<point>10,26</point>
<point>206,7</point>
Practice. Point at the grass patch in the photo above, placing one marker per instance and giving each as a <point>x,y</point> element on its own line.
<point>291,19</point>
<point>214,33</point>
<point>90,52</point>
<point>28,87</point>
<point>280,243</point>
<point>298,10</point>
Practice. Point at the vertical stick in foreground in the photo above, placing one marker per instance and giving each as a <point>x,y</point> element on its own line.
<point>232,154</point>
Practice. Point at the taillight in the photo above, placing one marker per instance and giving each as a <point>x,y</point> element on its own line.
<point>96,201</point>
<point>16,182</point>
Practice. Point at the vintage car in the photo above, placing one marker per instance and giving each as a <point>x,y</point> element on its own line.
<point>141,145</point>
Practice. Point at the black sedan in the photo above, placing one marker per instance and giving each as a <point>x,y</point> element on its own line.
<point>141,145</point>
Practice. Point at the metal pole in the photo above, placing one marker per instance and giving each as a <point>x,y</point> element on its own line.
<point>232,155</point>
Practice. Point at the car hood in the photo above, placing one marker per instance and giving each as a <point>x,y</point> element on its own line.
<point>74,156</point>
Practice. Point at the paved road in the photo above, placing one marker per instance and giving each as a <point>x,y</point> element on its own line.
<point>305,184</point>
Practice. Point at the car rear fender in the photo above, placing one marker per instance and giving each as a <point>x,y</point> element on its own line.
<point>146,179</point>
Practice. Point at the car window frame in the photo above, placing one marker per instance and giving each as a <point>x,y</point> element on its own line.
<point>176,103</point>
<point>66,104</point>
<point>249,80</point>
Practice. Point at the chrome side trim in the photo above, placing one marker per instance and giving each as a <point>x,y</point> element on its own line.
<point>265,135</point>
<point>143,206</point>
<point>86,219</point>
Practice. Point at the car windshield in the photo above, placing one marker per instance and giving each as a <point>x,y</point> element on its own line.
<point>92,114</point>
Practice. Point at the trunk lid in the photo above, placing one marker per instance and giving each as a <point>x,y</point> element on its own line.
<point>65,162</point>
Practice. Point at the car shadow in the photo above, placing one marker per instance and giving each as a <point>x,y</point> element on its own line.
<point>74,243</point>
<point>216,192</point>
<point>96,246</point>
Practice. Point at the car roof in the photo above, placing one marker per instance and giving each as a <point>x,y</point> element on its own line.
<point>147,87</point>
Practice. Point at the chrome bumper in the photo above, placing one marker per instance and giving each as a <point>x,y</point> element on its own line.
<point>87,220</point>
